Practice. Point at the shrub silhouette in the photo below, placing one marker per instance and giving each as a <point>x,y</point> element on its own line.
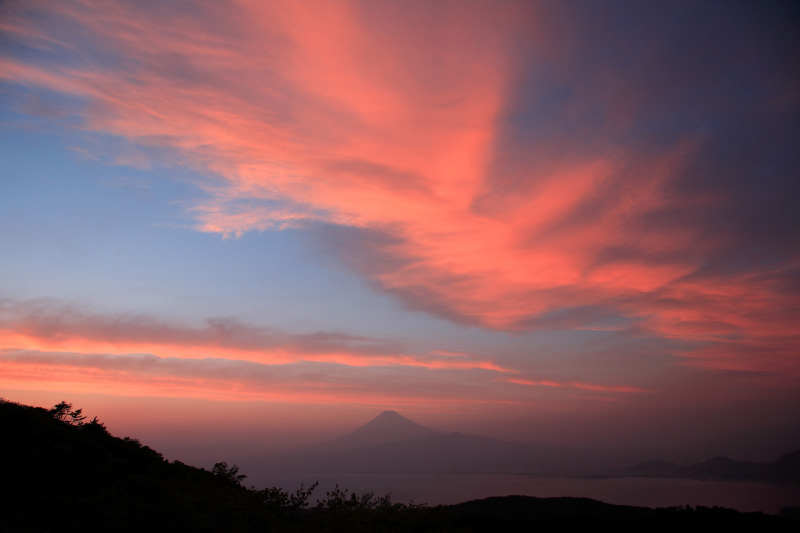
<point>278,499</point>
<point>339,499</point>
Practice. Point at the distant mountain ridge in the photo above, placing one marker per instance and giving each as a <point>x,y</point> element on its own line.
<point>786,468</point>
<point>391,443</point>
<point>758,444</point>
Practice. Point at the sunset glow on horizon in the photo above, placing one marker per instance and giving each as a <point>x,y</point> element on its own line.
<point>531,211</point>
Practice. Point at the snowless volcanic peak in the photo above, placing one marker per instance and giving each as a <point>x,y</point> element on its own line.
<point>388,426</point>
<point>390,416</point>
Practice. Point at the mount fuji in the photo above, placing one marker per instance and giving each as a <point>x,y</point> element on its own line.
<point>391,443</point>
<point>389,426</point>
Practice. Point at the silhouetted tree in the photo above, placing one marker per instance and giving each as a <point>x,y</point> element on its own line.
<point>63,411</point>
<point>230,473</point>
<point>95,426</point>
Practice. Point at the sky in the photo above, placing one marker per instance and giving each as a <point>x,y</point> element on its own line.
<point>569,222</point>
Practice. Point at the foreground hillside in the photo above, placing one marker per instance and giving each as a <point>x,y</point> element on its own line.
<point>65,474</point>
<point>69,475</point>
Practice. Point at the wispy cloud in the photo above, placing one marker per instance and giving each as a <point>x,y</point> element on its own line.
<point>574,385</point>
<point>46,345</point>
<point>48,326</point>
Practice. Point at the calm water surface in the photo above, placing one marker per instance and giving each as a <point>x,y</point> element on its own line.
<point>447,489</point>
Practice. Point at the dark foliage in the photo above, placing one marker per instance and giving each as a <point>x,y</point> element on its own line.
<point>64,474</point>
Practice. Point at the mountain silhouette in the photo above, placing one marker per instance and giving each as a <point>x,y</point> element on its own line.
<point>389,426</point>
<point>391,443</point>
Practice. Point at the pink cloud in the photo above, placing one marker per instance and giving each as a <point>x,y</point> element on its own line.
<point>575,385</point>
<point>395,122</point>
<point>234,380</point>
<point>49,327</point>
